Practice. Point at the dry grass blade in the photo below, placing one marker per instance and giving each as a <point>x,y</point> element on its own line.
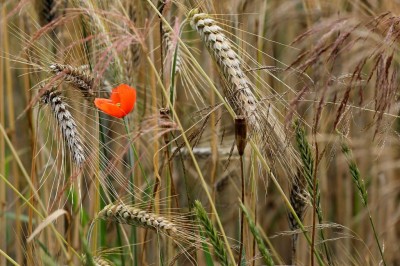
<point>49,219</point>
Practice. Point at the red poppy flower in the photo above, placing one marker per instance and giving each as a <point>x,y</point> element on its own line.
<point>121,102</point>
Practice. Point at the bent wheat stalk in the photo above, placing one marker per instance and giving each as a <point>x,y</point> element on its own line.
<point>263,123</point>
<point>66,124</point>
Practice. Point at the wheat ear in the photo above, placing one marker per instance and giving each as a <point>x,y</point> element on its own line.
<point>77,77</point>
<point>131,215</point>
<point>238,90</point>
<point>136,48</point>
<point>66,124</point>
<point>46,10</point>
<point>171,47</point>
<point>96,261</point>
<point>99,261</point>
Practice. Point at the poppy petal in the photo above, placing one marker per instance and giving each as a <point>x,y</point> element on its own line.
<point>127,97</point>
<point>121,102</point>
<point>109,108</point>
<point>115,96</point>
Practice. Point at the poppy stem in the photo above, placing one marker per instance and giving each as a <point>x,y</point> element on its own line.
<point>132,159</point>
<point>135,154</point>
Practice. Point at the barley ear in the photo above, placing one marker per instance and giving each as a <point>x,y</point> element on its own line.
<point>308,173</point>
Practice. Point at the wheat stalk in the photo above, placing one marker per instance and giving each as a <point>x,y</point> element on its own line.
<point>66,123</point>
<point>77,77</point>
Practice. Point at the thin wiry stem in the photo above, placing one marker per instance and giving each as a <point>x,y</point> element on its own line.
<point>202,179</point>
<point>356,175</point>
<point>310,176</point>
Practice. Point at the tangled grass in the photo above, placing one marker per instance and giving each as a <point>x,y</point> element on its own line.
<point>263,133</point>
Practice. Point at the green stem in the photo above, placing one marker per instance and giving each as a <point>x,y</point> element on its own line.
<point>242,213</point>
<point>285,199</point>
<point>132,182</point>
<point>13,262</point>
<point>254,147</point>
<point>375,235</point>
<point>135,154</point>
<point>196,165</point>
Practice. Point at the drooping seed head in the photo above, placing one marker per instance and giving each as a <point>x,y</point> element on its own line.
<point>79,78</point>
<point>131,215</point>
<point>67,125</point>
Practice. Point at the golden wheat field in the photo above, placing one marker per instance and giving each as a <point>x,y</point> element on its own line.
<point>199,132</point>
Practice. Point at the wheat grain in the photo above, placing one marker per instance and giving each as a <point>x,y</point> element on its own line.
<point>66,123</point>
